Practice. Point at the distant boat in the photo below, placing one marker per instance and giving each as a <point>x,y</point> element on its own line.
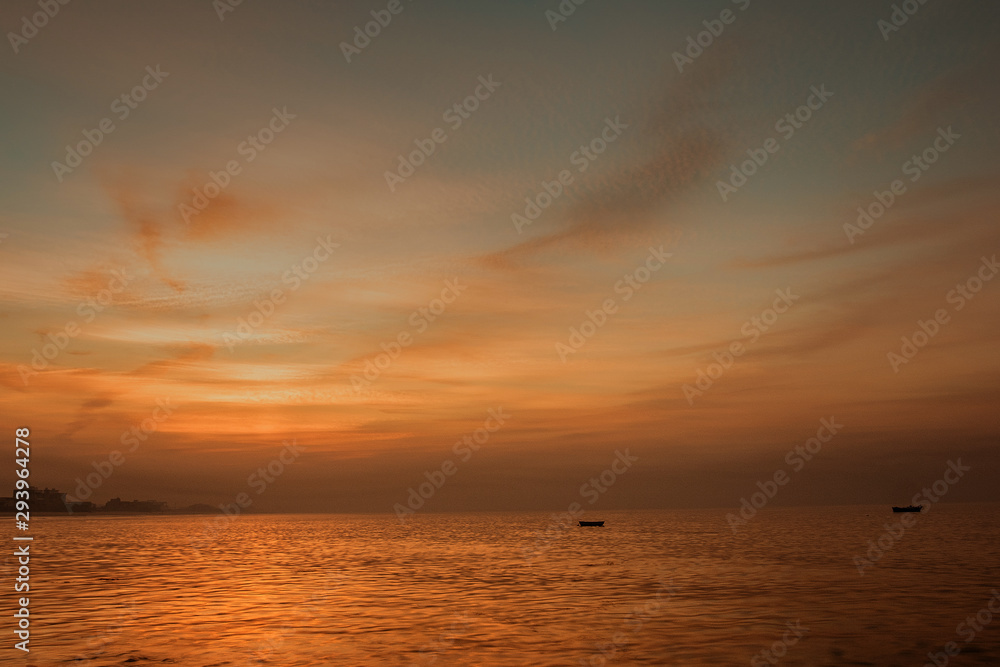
<point>908,508</point>
<point>598,524</point>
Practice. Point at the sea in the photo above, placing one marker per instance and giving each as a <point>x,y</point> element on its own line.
<point>803,586</point>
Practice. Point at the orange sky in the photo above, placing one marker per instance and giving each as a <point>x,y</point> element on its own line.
<point>142,302</point>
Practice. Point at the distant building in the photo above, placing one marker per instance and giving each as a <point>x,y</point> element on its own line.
<point>119,505</point>
<point>42,500</point>
<point>83,506</point>
<point>52,500</point>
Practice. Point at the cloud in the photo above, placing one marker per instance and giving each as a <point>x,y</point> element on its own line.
<point>222,216</point>
<point>924,215</point>
<point>146,227</point>
<point>671,146</point>
<point>96,403</point>
<point>940,101</point>
<point>157,229</point>
<point>183,356</point>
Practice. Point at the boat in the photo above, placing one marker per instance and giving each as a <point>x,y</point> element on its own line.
<point>908,508</point>
<point>597,524</point>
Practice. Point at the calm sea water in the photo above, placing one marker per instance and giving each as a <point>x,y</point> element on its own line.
<point>650,588</point>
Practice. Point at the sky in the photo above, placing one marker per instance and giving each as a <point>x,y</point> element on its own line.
<point>626,233</point>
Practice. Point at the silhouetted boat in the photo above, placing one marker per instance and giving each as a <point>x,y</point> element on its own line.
<point>908,508</point>
<point>599,524</point>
